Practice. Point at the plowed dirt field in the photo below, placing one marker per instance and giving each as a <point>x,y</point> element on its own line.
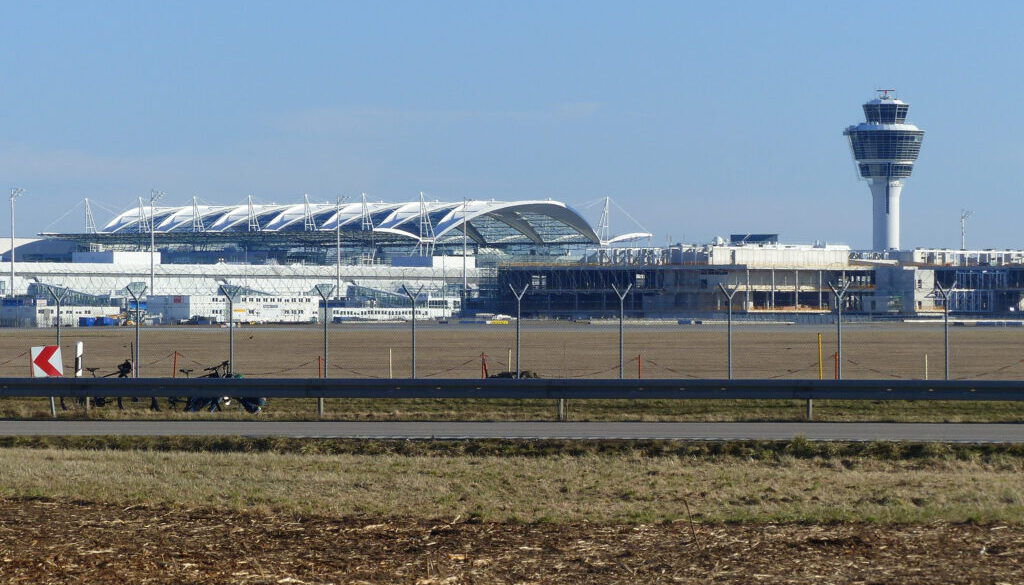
<point>44,542</point>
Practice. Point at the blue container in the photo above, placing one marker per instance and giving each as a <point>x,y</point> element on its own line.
<point>86,321</point>
<point>106,321</point>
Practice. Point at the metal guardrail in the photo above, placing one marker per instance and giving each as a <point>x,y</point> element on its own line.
<point>660,389</point>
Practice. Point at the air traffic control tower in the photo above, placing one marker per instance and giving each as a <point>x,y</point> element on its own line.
<point>885,148</point>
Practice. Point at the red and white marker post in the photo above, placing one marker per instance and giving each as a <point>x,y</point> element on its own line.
<point>46,362</point>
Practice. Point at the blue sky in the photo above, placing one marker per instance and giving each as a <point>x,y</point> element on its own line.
<point>699,119</point>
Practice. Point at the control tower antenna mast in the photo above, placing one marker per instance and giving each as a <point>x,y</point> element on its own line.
<point>885,148</point>
<point>965,214</point>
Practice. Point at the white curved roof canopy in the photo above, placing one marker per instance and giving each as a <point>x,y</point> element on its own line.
<point>487,222</point>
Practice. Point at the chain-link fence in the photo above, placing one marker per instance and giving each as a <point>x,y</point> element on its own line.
<point>380,345</point>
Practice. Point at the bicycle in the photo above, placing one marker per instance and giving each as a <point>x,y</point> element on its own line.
<point>251,404</point>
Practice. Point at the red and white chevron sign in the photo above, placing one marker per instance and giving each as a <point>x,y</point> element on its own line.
<point>47,362</point>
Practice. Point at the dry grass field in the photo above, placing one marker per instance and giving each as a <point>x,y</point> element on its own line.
<point>75,516</point>
<point>884,351</point>
<point>624,488</point>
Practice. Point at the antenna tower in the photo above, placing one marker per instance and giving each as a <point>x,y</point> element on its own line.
<point>965,214</point>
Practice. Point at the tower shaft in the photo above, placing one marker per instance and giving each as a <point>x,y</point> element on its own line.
<point>885,213</point>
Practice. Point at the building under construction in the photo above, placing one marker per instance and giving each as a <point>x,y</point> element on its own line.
<point>765,277</point>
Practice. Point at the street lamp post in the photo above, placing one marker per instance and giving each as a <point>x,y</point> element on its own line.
<point>325,291</point>
<point>519,318</point>
<point>15,193</point>
<point>729,293</point>
<point>622,318</point>
<point>154,196</point>
<point>412,299</point>
<point>231,292</point>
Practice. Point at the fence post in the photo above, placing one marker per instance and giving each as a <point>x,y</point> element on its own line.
<point>622,318</point>
<point>729,294</point>
<point>325,291</point>
<point>839,290</point>
<point>821,374</point>
<point>519,319</point>
<point>412,299</point>
<point>944,293</point>
<point>231,292</point>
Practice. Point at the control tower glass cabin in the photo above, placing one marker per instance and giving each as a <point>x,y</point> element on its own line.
<point>885,148</point>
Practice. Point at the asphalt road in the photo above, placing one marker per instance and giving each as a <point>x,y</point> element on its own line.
<point>926,432</point>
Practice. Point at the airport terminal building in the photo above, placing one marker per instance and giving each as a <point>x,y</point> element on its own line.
<point>772,278</point>
<point>467,257</point>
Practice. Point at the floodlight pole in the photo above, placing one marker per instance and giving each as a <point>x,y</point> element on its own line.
<point>325,291</point>
<point>154,196</point>
<point>839,290</point>
<point>519,318</point>
<point>944,293</point>
<point>729,293</point>
<point>15,193</point>
<point>412,298</point>
<point>622,318</point>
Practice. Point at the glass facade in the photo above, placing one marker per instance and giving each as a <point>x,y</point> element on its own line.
<point>886,113</point>
<point>886,144</point>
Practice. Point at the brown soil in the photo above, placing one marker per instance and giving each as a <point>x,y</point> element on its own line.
<point>43,542</point>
